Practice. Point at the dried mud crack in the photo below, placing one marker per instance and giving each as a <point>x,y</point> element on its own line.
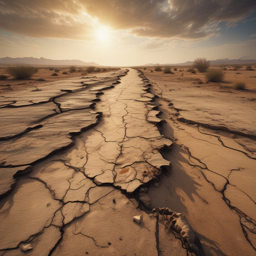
<point>212,179</point>
<point>70,186</point>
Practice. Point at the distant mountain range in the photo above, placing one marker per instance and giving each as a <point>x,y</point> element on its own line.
<point>43,61</point>
<point>213,62</point>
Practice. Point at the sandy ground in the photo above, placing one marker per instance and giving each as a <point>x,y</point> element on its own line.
<point>11,84</point>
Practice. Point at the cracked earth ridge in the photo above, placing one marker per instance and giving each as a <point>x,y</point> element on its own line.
<point>48,123</point>
<point>69,204</point>
<point>238,193</point>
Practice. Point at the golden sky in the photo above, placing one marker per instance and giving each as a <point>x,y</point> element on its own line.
<point>122,32</point>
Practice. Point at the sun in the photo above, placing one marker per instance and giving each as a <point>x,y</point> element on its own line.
<point>103,33</point>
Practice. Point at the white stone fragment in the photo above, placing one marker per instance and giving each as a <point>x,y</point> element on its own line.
<point>26,247</point>
<point>138,219</point>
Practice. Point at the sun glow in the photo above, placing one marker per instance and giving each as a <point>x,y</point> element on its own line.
<point>103,33</point>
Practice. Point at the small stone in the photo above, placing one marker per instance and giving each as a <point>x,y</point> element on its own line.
<point>138,219</point>
<point>114,201</point>
<point>26,247</point>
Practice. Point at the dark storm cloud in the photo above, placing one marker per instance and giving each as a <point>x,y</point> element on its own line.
<point>147,18</point>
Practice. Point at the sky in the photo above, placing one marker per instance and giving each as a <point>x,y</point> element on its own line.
<point>128,32</point>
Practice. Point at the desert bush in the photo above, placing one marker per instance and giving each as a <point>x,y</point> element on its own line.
<point>201,64</point>
<point>158,68</point>
<point>237,66</point>
<point>191,70</point>
<point>249,68</point>
<point>215,75</point>
<point>167,70</point>
<point>64,73</point>
<point>175,69</point>
<point>239,85</point>
<point>54,74</point>
<point>21,71</point>
<point>3,77</point>
<point>224,68</point>
<point>72,69</point>
<point>51,69</point>
<point>90,69</point>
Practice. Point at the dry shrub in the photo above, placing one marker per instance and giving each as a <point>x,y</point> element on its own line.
<point>51,69</point>
<point>64,73</point>
<point>3,77</point>
<point>54,74</point>
<point>72,69</point>
<point>201,64</point>
<point>175,69</point>
<point>191,70</point>
<point>249,68</point>
<point>90,69</point>
<point>237,67</point>
<point>158,68</point>
<point>167,70</point>
<point>21,71</point>
<point>239,85</point>
<point>215,75</point>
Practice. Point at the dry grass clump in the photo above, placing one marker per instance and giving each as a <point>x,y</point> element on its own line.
<point>21,71</point>
<point>215,75</point>
<point>191,70</point>
<point>239,85</point>
<point>201,64</point>
<point>90,69</point>
<point>72,69</point>
<point>64,73</point>
<point>237,67</point>
<point>3,77</point>
<point>54,74</point>
<point>51,69</point>
<point>249,68</point>
<point>158,68</point>
<point>167,70</point>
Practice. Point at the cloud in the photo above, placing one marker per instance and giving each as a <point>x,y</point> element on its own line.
<point>186,19</point>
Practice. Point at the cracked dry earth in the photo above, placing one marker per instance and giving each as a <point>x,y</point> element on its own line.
<point>213,175</point>
<point>76,159</point>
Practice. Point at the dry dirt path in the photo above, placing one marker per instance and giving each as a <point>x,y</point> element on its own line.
<point>213,175</point>
<point>76,158</point>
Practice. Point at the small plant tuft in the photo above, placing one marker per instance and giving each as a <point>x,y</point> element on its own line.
<point>21,71</point>
<point>90,69</point>
<point>249,68</point>
<point>191,70</point>
<point>72,69</point>
<point>158,68</point>
<point>167,70</point>
<point>51,69</point>
<point>54,74</point>
<point>215,75</point>
<point>239,86</point>
<point>64,73</point>
<point>201,64</point>
<point>237,67</point>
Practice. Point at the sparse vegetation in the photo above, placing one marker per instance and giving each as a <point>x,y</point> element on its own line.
<point>167,70</point>
<point>21,71</point>
<point>191,70</point>
<point>51,69</point>
<point>104,70</point>
<point>239,85</point>
<point>175,69</point>
<point>57,70</point>
<point>72,69</point>
<point>90,69</point>
<point>249,68</point>
<point>215,75</point>
<point>3,77</point>
<point>237,67</point>
<point>158,68</point>
<point>201,64</point>
<point>64,73</point>
<point>54,74</point>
